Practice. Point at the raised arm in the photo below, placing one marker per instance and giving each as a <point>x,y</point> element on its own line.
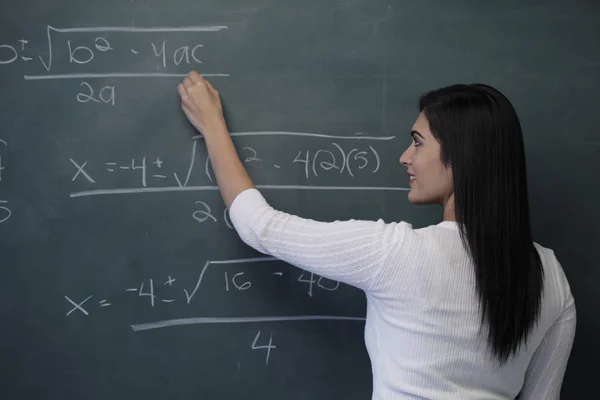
<point>352,252</point>
<point>201,104</point>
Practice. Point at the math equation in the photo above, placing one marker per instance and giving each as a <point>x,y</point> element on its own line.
<point>168,291</point>
<point>350,157</point>
<point>85,53</point>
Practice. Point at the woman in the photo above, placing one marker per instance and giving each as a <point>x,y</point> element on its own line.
<point>470,308</point>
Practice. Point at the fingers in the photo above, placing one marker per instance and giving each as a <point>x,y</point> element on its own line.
<point>194,77</point>
<point>187,82</point>
<point>211,88</point>
<point>181,90</point>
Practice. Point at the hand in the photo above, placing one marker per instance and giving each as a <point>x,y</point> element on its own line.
<point>201,103</point>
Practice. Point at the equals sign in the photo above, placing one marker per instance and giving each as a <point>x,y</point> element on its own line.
<point>103,303</point>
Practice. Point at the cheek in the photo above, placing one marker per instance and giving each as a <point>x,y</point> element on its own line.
<point>445,185</point>
<point>432,175</point>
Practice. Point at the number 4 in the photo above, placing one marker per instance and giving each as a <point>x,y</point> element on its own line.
<point>150,293</point>
<point>310,282</point>
<point>268,346</point>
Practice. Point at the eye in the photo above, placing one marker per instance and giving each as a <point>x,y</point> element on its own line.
<point>416,141</point>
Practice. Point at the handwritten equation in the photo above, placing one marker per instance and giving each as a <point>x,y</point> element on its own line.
<point>168,291</point>
<point>155,291</point>
<point>84,53</point>
<point>351,157</point>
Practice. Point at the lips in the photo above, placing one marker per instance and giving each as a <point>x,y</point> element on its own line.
<point>411,178</point>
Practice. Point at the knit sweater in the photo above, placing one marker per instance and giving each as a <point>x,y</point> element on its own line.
<point>422,329</point>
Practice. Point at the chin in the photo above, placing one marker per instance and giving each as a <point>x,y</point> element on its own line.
<point>414,198</point>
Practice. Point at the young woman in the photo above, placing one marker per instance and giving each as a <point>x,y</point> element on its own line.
<point>470,308</point>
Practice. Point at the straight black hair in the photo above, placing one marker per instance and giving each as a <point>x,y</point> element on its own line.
<point>481,140</point>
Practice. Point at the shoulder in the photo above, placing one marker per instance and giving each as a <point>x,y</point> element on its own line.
<point>550,262</point>
<point>556,282</point>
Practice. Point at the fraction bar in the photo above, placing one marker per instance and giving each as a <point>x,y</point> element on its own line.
<point>208,28</point>
<point>238,320</point>
<point>105,192</point>
<point>110,75</point>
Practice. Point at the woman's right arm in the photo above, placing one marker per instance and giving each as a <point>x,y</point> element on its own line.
<point>352,251</point>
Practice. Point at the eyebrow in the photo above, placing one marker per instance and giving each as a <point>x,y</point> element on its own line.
<point>413,133</point>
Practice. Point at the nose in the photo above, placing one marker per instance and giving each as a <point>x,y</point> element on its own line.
<point>405,158</point>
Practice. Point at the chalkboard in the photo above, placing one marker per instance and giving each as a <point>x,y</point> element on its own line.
<point>122,277</point>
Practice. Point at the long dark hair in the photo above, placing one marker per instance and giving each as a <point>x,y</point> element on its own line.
<point>481,139</point>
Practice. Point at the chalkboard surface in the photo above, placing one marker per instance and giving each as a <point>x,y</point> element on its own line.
<point>121,275</point>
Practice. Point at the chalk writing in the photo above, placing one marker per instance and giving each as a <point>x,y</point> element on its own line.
<point>151,291</point>
<point>267,347</point>
<point>77,306</point>
<point>252,155</point>
<point>190,168</point>
<point>320,283</point>
<point>106,94</point>
<point>147,289</point>
<point>82,51</point>
<point>83,48</point>
<point>233,282</point>
<point>178,56</point>
<point>5,212</point>
<point>204,213</point>
<point>331,159</point>
<point>141,167</point>
<point>104,303</point>
<point>239,320</point>
<point>239,284</point>
<point>170,281</point>
<point>10,53</point>
<point>3,145</point>
<point>326,160</point>
<point>80,170</point>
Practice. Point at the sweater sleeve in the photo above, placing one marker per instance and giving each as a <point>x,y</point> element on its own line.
<point>546,371</point>
<point>353,251</point>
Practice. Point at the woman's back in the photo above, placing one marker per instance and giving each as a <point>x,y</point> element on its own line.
<point>425,313</point>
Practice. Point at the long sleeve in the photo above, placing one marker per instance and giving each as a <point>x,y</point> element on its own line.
<point>545,374</point>
<point>352,252</point>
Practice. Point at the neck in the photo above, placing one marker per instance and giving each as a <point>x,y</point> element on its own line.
<point>449,214</point>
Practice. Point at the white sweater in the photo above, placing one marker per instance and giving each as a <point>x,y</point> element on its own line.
<point>422,320</point>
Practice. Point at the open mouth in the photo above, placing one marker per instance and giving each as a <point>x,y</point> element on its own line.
<point>411,179</point>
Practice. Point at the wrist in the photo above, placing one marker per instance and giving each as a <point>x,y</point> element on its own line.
<point>216,126</point>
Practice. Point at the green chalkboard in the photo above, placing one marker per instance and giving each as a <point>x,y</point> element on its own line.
<point>122,277</point>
